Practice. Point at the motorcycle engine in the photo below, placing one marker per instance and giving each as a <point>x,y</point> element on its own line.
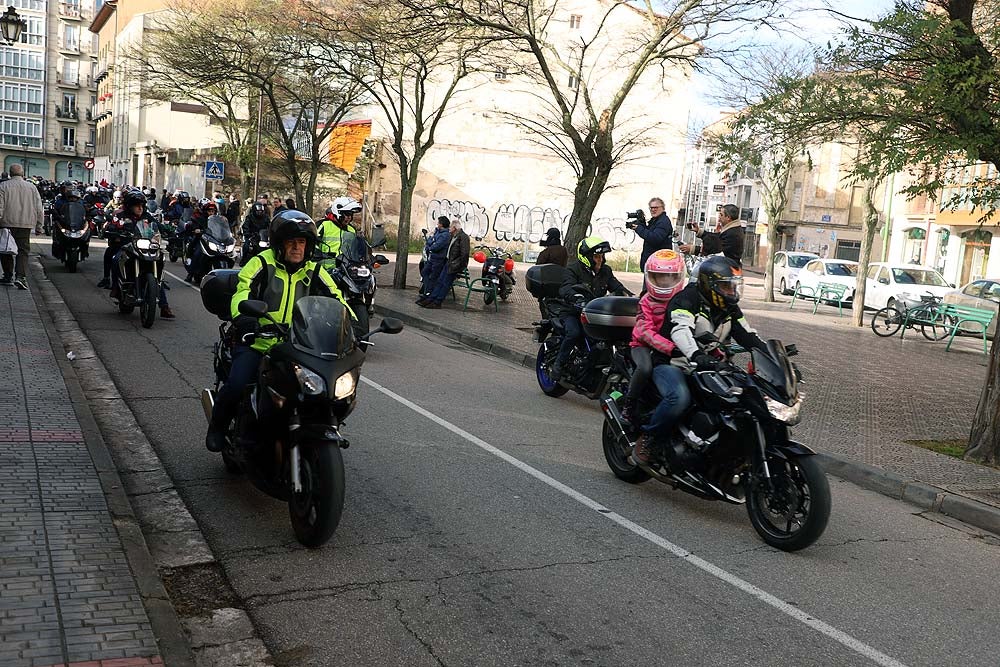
<point>704,424</point>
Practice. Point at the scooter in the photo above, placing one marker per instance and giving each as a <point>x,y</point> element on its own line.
<point>71,235</point>
<point>498,269</point>
<point>286,436</point>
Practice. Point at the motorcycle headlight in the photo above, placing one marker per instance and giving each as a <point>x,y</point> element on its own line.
<point>345,386</point>
<point>214,247</point>
<point>262,244</point>
<point>74,235</point>
<point>784,413</point>
<point>231,247</point>
<point>311,383</point>
<point>143,244</point>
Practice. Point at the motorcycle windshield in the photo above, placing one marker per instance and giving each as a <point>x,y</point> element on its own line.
<point>218,229</point>
<point>356,251</point>
<point>75,216</point>
<point>321,327</point>
<point>775,370</point>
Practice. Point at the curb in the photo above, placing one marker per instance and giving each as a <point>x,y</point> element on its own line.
<point>161,539</point>
<point>921,494</point>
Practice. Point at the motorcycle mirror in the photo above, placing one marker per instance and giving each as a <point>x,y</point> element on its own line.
<point>253,308</point>
<point>390,325</point>
<point>791,350</point>
<point>381,259</point>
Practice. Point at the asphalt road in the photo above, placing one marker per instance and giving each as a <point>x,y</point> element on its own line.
<point>451,552</point>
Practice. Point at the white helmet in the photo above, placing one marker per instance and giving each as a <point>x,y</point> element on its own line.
<point>342,205</point>
<point>117,196</point>
<point>92,189</point>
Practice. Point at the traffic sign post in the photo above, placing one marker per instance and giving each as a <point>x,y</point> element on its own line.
<point>88,164</point>
<point>214,171</point>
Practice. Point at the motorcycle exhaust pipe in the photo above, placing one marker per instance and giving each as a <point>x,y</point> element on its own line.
<point>614,417</point>
<point>207,403</point>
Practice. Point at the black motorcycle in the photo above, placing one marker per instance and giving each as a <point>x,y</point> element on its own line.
<point>171,237</point>
<point>215,249</point>
<point>253,245</point>
<point>597,365</point>
<point>286,437</point>
<point>140,267</point>
<point>739,447</point>
<point>354,272</point>
<point>498,270</point>
<point>71,235</point>
<point>47,216</point>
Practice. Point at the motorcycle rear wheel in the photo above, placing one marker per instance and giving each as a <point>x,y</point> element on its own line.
<point>620,464</point>
<point>316,511</point>
<point>548,386</point>
<point>490,295</point>
<point>796,513</point>
<point>150,292</point>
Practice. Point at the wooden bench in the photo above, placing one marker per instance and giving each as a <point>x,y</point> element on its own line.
<point>482,285</point>
<point>822,292</point>
<point>955,316</point>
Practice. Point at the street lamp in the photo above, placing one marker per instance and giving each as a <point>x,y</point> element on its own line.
<point>24,145</point>
<point>11,26</point>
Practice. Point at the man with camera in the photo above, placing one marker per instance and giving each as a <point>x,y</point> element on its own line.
<point>657,234</point>
<point>729,240</point>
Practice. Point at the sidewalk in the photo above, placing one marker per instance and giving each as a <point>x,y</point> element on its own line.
<point>865,396</point>
<point>68,592</point>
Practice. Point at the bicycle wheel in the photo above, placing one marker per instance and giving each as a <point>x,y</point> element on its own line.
<point>939,329</point>
<point>886,322</point>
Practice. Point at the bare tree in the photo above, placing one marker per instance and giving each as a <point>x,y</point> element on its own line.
<point>590,75</point>
<point>411,64</point>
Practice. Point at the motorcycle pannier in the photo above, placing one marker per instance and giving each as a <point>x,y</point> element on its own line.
<point>217,290</point>
<point>544,280</point>
<point>610,318</point>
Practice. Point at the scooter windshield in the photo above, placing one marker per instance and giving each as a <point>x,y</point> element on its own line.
<point>75,216</point>
<point>321,327</point>
<point>218,229</point>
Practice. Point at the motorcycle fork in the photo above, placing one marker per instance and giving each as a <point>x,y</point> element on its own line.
<point>760,450</point>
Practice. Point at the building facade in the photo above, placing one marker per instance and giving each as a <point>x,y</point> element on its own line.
<point>48,90</point>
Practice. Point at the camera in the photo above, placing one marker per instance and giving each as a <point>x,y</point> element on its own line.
<point>633,218</point>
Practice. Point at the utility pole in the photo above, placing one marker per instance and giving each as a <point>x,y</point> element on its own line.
<point>256,163</point>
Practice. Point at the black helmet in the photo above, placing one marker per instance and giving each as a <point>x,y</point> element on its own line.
<point>552,237</point>
<point>132,197</point>
<point>589,247</point>
<point>73,193</point>
<point>720,281</point>
<point>292,225</point>
<point>258,211</point>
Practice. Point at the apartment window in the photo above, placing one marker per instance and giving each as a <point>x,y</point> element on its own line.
<point>22,98</point>
<point>35,33</point>
<point>796,203</point>
<point>573,81</point>
<point>69,102</point>
<point>15,130</point>
<point>21,64</point>
<point>71,37</point>
<point>32,5</point>
<point>93,136</point>
<point>70,71</point>
<point>574,21</point>
<point>69,137</point>
<point>501,74</point>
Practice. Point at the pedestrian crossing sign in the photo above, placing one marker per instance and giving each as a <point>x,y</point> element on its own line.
<point>214,171</point>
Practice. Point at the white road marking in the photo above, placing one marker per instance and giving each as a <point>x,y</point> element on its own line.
<point>847,640</point>
<point>183,282</point>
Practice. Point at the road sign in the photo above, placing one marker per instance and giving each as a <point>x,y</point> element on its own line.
<point>214,171</point>
<point>88,164</point>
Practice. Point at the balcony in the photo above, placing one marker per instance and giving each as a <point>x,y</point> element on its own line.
<point>67,113</point>
<point>68,46</point>
<point>92,114</point>
<point>68,10</point>
<point>67,80</point>
<point>60,147</point>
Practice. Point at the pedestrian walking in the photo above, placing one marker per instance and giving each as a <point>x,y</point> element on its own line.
<point>233,211</point>
<point>20,210</point>
<point>457,261</point>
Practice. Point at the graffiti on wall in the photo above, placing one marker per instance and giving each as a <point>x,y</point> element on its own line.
<point>523,223</point>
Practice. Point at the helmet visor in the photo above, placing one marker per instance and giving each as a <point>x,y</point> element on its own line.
<point>664,281</point>
<point>730,287</point>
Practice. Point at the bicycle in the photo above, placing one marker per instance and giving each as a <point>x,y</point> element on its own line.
<point>933,325</point>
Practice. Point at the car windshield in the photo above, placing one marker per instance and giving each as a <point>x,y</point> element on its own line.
<point>836,269</point>
<point>918,277</point>
<point>798,261</point>
<point>218,229</point>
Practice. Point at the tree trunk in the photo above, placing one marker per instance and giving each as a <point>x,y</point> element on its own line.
<point>586,195</point>
<point>865,258</point>
<point>772,247</point>
<point>984,438</point>
<point>403,231</point>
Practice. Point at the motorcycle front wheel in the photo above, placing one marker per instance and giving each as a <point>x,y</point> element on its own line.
<point>361,312</point>
<point>316,511</point>
<point>150,293</point>
<point>71,260</point>
<point>548,386</point>
<point>173,255</point>
<point>619,462</point>
<point>793,514</point>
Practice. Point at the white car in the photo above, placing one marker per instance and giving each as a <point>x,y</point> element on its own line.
<point>901,285</point>
<point>836,271</point>
<point>786,268</point>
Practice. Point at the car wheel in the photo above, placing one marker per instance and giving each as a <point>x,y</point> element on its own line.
<point>783,287</point>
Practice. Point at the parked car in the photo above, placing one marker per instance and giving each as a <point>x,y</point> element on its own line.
<point>983,294</point>
<point>901,285</point>
<point>836,271</point>
<point>786,268</point>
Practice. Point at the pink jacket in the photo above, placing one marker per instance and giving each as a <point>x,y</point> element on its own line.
<point>648,322</point>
